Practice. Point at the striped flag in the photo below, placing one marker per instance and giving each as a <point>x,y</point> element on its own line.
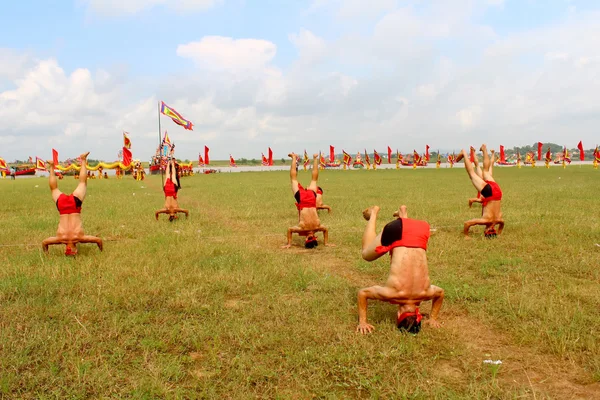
<point>175,116</point>
<point>39,163</point>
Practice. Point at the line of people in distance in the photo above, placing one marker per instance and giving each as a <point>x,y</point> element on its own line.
<point>406,239</point>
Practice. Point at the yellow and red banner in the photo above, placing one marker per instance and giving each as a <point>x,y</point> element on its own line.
<point>126,140</point>
<point>40,164</point>
<point>377,158</point>
<point>347,158</point>
<point>175,116</point>
<point>3,163</point>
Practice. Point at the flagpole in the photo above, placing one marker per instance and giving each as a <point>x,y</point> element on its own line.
<point>162,178</point>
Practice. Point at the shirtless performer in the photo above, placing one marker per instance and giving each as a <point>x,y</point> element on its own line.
<point>408,283</point>
<point>491,196</point>
<point>306,202</point>
<point>171,188</point>
<point>70,230</point>
<point>479,171</point>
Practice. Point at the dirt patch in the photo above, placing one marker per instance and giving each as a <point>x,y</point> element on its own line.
<point>522,368</point>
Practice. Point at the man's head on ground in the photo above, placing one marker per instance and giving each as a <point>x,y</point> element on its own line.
<point>311,241</point>
<point>70,250</point>
<point>409,319</point>
<point>490,233</point>
<point>172,217</point>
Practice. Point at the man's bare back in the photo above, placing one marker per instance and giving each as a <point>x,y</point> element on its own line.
<point>408,283</point>
<point>70,227</point>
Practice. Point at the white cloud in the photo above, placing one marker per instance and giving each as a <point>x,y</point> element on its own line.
<point>224,53</point>
<point>468,117</point>
<point>115,8</point>
<point>311,48</point>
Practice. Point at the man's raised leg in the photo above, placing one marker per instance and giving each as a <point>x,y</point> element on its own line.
<point>401,212</point>
<point>315,174</point>
<point>370,239</point>
<point>488,173</point>
<point>81,189</point>
<point>478,168</point>
<point>294,173</point>
<point>475,179</point>
<point>53,183</point>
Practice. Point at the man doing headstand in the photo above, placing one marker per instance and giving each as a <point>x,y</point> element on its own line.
<point>70,230</point>
<point>171,187</point>
<point>408,283</point>
<point>479,171</point>
<point>491,195</point>
<point>306,202</point>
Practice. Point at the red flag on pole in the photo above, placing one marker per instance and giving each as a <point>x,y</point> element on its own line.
<point>540,145</point>
<point>331,153</point>
<point>389,155</point>
<point>206,160</point>
<point>270,157</point>
<point>265,161</point>
<point>502,155</point>
<point>55,157</point>
<point>581,153</point>
<point>376,157</point>
<point>472,154</point>
<point>200,160</point>
<point>427,153</point>
<point>126,156</point>
<point>232,161</point>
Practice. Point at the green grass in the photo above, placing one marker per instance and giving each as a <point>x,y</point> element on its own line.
<point>211,307</point>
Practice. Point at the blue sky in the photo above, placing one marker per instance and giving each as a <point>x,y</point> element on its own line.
<point>290,75</point>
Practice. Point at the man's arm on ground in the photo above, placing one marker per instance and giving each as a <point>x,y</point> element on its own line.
<point>376,293</point>
<point>162,211</point>
<point>470,223</point>
<point>325,236</point>
<point>49,241</point>
<point>437,299</point>
<point>325,207</point>
<point>181,210</point>
<point>91,239</point>
<point>289,238</point>
<point>500,226</point>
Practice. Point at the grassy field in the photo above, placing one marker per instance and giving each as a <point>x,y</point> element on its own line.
<point>211,307</point>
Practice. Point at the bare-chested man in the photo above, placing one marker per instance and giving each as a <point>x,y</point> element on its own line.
<point>306,202</point>
<point>491,215</point>
<point>171,187</point>
<point>408,283</point>
<point>70,230</point>
<point>479,172</point>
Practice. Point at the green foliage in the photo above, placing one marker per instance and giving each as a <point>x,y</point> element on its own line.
<point>211,307</point>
